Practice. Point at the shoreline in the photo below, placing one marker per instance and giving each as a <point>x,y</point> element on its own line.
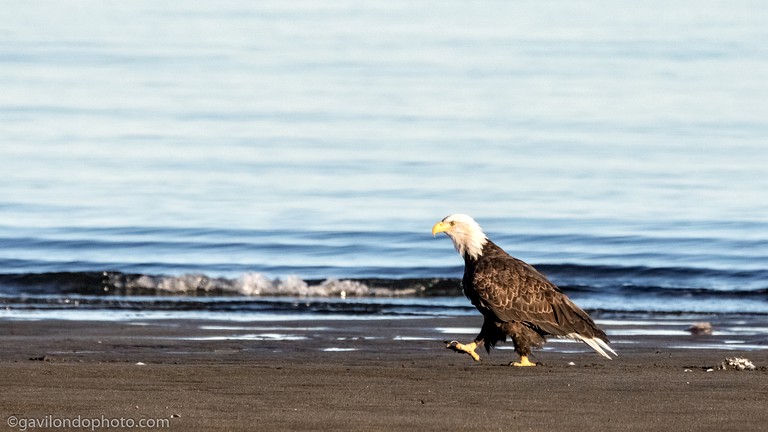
<point>378,375</point>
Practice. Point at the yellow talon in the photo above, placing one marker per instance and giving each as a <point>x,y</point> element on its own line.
<point>523,362</point>
<point>468,348</point>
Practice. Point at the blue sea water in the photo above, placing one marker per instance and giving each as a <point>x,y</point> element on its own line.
<point>305,149</point>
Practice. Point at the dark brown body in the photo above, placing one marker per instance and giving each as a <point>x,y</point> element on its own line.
<point>518,301</point>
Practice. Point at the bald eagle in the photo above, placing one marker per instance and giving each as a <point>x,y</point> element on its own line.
<point>514,298</point>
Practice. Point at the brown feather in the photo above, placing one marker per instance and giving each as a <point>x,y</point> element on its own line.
<point>521,301</point>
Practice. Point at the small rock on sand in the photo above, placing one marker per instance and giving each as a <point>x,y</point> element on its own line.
<point>701,328</point>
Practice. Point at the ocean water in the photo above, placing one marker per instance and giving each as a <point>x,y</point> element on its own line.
<point>237,156</point>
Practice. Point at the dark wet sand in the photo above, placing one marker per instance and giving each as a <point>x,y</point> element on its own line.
<point>390,381</point>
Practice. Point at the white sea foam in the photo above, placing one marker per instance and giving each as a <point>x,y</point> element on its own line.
<point>250,337</point>
<point>413,338</point>
<point>258,284</point>
<point>255,284</point>
<point>458,330</point>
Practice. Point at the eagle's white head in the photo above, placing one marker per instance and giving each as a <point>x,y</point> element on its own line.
<point>468,238</point>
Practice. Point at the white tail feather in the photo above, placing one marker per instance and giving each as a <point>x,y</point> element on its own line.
<point>596,344</point>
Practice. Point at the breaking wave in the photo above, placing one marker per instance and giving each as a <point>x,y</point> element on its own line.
<point>574,279</point>
<point>248,284</point>
<point>634,289</point>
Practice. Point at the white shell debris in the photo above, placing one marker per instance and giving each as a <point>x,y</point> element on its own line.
<point>737,363</point>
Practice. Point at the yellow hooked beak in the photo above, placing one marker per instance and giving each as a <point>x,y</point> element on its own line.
<point>440,227</point>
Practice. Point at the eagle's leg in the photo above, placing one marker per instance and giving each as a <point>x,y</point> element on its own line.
<point>523,362</point>
<point>468,348</point>
<point>524,339</point>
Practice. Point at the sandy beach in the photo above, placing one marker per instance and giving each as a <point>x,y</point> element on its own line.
<point>370,375</point>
